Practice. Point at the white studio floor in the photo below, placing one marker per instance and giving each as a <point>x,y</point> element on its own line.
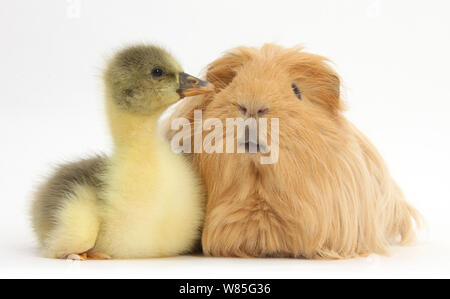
<point>430,260</point>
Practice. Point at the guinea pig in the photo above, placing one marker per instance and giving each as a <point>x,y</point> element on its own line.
<point>328,195</point>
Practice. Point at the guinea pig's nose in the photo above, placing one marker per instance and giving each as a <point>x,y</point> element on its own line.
<point>253,112</point>
<point>243,110</point>
<point>262,111</point>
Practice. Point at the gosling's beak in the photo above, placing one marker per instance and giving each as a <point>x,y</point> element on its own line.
<point>191,86</point>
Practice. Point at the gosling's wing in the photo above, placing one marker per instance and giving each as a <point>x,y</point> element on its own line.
<point>51,196</point>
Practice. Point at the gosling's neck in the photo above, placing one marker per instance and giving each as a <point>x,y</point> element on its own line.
<point>133,132</point>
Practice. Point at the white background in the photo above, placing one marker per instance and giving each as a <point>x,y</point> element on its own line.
<point>392,55</point>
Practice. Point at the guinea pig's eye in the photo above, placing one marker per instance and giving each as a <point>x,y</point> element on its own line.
<point>296,91</point>
<point>157,72</point>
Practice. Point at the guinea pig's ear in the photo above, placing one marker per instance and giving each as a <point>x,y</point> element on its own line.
<point>318,81</point>
<point>222,70</point>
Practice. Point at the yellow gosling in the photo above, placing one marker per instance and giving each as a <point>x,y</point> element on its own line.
<point>144,201</point>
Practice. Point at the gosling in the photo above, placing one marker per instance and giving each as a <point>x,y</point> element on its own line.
<point>144,201</point>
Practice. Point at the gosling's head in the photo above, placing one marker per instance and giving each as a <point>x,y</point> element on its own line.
<point>145,78</point>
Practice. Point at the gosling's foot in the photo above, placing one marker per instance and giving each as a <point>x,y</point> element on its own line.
<point>97,256</point>
<point>77,257</point>
<point>88,256</point>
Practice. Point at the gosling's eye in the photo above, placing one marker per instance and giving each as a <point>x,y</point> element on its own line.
<point>296,91</point>
<point>157,72</point>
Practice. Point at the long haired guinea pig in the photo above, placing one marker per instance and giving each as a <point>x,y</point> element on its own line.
<point>329,194</point>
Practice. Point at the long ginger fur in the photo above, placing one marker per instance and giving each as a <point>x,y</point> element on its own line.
<point>330,195</point>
